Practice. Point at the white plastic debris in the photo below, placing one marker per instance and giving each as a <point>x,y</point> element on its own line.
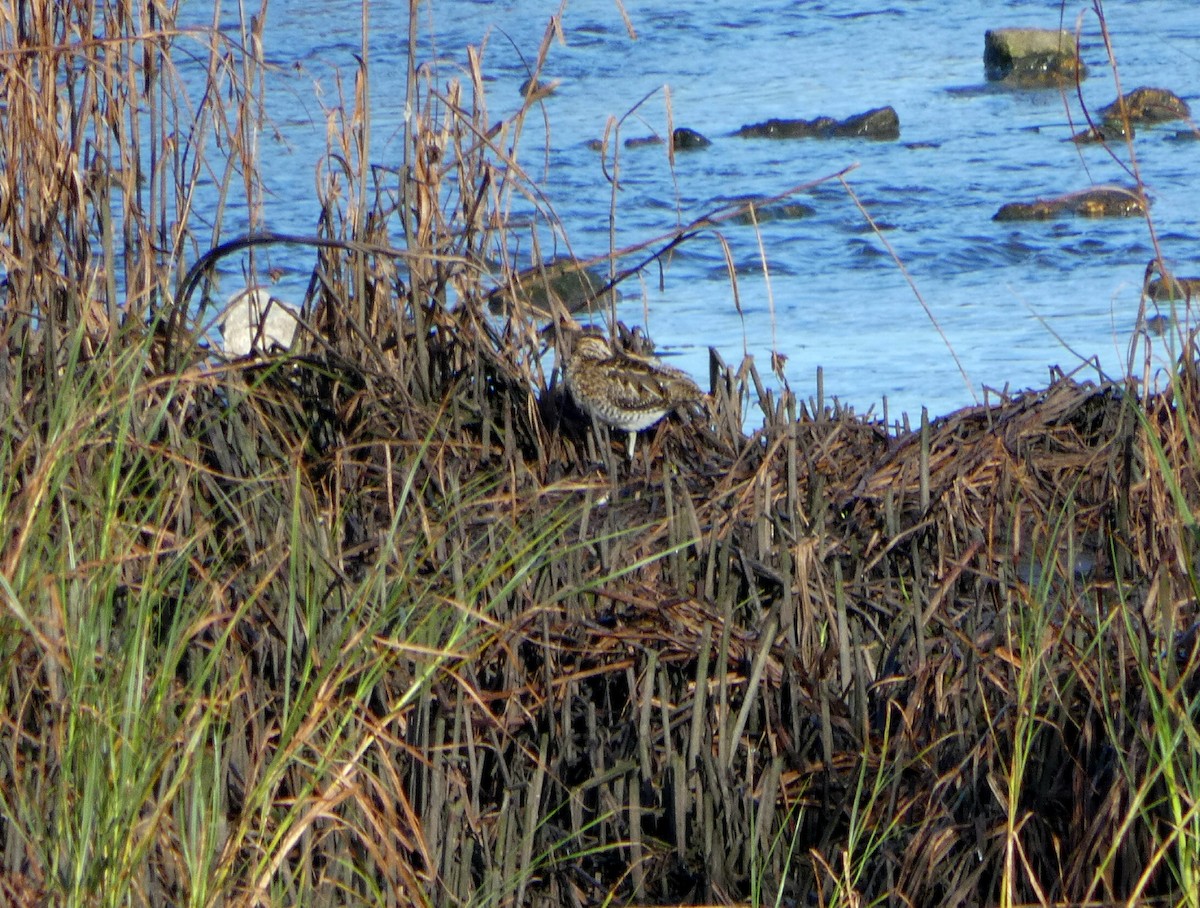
<point>256,322</point>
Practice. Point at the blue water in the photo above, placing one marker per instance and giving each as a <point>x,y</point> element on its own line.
<point>1010,299</point>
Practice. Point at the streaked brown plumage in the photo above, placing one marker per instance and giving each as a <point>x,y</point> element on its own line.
<point>623,390</point>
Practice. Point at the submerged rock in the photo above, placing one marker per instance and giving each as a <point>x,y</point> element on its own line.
<point>567,282</point>
<point>642,141</point>
<point>1041,210</point>
<point>1158,325</point>
<point>1045,71</point>
<point>1112,202</point>
<point>787,129</point>
<point>1031,57</point>
<point>534,90</point>
<point>1102,202</point>
<point>1174,288</point>
<point>775,211</point>
<point>1148,105</point>
<point>880,123</point>
<point>1108,131</point>
<point>684,139</point>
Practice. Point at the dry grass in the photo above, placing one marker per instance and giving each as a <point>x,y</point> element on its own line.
<point>367,625</point>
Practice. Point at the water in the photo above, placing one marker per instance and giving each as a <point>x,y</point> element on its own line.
<point>1010,299</point>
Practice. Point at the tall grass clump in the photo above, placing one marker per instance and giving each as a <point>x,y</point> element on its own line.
<point>364,623</point>
<point>230,590</point>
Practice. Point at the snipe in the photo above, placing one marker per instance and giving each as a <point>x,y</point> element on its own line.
<point>623,390</point>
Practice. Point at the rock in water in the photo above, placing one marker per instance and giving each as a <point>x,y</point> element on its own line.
<point>1031,57</point>
<point>256,322</point>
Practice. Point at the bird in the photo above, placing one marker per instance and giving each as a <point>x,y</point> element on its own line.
<point>254,321</point>
<point>624,390</point>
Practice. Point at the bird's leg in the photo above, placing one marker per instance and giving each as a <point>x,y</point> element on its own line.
<point>645,454</point>
<point>596,445</point>
<point>612,462</point>
<point>653,444</point>
<point>606,450</point>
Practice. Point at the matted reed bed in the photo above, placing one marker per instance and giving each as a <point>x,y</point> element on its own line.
<point>379,621</point>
